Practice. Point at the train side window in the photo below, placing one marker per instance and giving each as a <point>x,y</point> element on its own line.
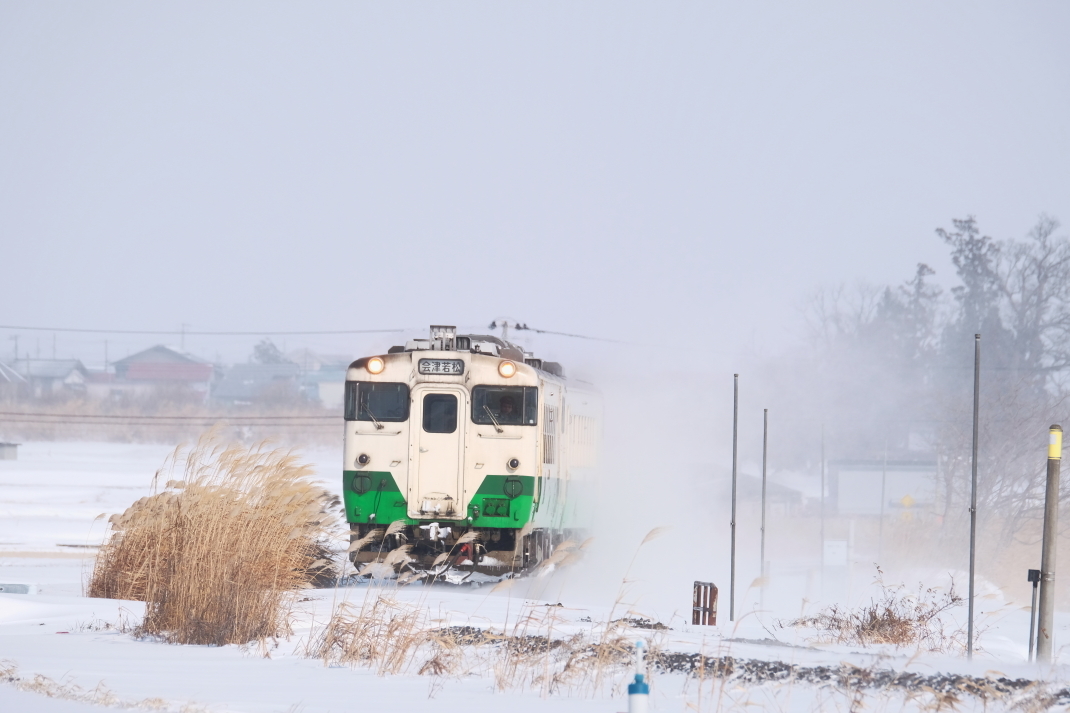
<point>366,401</point>
<point>440,413</point>
<point>508,405</point>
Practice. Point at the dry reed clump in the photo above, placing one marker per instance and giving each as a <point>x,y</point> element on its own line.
<point>897,618</point>
<point>384,636</point>
<point>535,653</point>
<point>216,554</point>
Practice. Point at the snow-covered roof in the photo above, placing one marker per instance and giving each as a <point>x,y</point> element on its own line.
<point>49,368</point>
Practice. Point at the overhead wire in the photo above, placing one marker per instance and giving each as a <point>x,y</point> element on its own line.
<point>189,333</point>
<point>525,328</point>
<point>222,417</point>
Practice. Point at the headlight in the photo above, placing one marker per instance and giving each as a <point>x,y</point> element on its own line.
<point>507,369</point>
<point>375,365</point>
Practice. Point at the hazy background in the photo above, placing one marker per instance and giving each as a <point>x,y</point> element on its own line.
<point>678,177</point>
<point>660,172</point>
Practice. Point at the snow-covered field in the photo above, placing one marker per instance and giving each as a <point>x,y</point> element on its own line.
<point>62,652</point>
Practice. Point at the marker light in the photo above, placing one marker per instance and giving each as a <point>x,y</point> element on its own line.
<point>375,365</point>
<point>507,369</point>
<point>513,464</point>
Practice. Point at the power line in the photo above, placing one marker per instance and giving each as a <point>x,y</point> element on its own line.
<point>525,328</point>
<point>134,421</point>
<point>201,334</point>
<point>220,417</point>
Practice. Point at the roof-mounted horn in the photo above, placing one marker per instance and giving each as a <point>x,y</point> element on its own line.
<point>443,337</point>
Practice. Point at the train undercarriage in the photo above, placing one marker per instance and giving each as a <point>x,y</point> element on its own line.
<point>442,552</point>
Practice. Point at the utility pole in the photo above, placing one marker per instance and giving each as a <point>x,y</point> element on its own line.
<point>765,452</point>
<point>880,527</point>
<point>1047,553</point>
<point>822,504</point>
<point>973,489</point>
<point>735,453</point>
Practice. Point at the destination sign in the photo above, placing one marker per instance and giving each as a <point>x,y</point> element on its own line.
<point>441,366</point>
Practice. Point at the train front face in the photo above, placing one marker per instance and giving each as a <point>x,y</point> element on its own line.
<point>442,439</point>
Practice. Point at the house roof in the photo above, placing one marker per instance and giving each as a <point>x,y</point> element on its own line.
<point>160,363</point>
<point>49,368</point>
<point>158,354</point>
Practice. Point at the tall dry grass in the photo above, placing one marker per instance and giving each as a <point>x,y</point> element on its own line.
<point>538,651</point>
<point>219,551</point>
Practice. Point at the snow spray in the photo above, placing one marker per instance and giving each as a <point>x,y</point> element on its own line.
<point>638,691</point>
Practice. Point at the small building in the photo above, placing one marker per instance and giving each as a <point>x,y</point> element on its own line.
<point>326,386</point>
<point>53,377</point>
<point>9,451</point>
<point>244,384</point>
<point>781,500</point>
<point>872,487</point>
<point>157,368</point>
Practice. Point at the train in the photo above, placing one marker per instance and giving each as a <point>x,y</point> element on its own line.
<point>465,453</point>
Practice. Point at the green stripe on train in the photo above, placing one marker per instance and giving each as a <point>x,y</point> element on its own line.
<point>500,501</point>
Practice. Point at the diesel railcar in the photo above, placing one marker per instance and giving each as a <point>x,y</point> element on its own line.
<point>464,451</point>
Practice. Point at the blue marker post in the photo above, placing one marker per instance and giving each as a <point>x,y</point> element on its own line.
<point>639,691</point>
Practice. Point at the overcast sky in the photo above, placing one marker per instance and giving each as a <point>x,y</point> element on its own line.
<point>602,168</point>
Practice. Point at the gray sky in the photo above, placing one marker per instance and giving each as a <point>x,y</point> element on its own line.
<point>604,168</point>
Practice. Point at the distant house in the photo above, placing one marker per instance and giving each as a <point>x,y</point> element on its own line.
<point>323,376</point>
<point>247,383</point>
<point>872,487</point>
<point>326,386</point>
<point>781,499</point>
<point>154,369</point>
<point>53,377</point>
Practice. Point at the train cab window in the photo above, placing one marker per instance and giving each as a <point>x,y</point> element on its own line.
<point>508,405</point>
<point>440,413</point>
<point>365,401</point>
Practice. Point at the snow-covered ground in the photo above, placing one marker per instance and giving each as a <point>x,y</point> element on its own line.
<point>60,651</point>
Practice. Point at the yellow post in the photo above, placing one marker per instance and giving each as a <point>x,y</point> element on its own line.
<point>1047,555</point>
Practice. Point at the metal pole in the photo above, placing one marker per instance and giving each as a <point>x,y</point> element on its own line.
<point>822,504</point>
<point>765,451</point>
<point>735,451</point>
<point>1034,578</point>
<point>880,527</point>
<point>1047,552</point>
<point>973,489</point>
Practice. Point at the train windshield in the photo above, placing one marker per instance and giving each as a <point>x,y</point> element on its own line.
<point>377,402</point>
<point>508,405</point>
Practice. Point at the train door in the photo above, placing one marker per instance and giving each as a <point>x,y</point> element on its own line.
<point>437,437</point>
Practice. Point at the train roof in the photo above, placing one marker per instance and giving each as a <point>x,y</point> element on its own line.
<point>445,338</point>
